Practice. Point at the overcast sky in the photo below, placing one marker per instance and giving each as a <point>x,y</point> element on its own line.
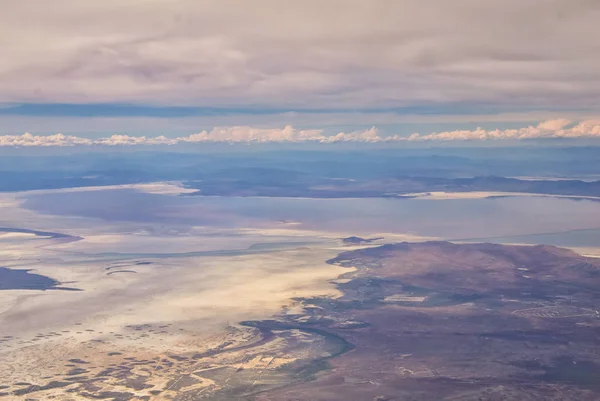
<point>178,67</point>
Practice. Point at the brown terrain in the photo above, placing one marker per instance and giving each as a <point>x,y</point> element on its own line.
<point>440,321</point>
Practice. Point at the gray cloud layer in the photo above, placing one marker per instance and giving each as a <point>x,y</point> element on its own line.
<point>311,53</point>
<point>560,128</point>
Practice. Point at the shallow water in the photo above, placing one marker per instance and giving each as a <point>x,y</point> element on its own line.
<point>17,279</point>
<point>573,238</point>
<point>531,218</point>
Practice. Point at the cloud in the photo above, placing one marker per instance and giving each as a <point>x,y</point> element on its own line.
<point>249,134</point>
<point>238,134</point>
<point>553,125</point>
<point>287,134</point>
<point>28,139</point>
<point>558,128</point>
<point>547,129</point>
<point>507,54</point>
<point>115,140</point>
<point>370,135</point>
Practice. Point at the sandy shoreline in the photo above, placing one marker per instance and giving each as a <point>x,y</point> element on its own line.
<point>439,195</point>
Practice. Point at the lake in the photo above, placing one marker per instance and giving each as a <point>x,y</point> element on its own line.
<point>558,221</point>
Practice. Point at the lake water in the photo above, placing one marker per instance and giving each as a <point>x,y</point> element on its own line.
<point>19,279</point>
<point>558,221</point>
<point>575,238</point>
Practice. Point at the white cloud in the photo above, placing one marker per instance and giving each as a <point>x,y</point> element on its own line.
<point>238,134</point>
<point>28,139</point>
<point>287,134</point>
<point>546,129</point>
<point>558,128</point>
<point>554,125</point>
<point>249,134</point>
<point>370,135</point>
<point>134,140</point>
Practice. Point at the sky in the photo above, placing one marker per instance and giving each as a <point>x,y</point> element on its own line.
<point>178,71</point>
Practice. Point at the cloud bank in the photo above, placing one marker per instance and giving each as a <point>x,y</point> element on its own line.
<point>559,128</point>
<point>507,54</point>
<point>548,129</point>
<point>238,134</point>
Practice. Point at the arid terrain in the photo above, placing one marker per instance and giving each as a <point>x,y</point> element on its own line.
<point>410,321</point>
<point>439,321</point>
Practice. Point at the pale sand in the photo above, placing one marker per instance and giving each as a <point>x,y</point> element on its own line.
<point>202,294</point>
<point>211,291</point>
<point>403,298</point>
<point>199,298</point>
<point>15,235</point>
<point>291,232</point>
<point>482,195</point>
<point>592,252</point>
<point>161,188</point>
<point>143,243</point>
